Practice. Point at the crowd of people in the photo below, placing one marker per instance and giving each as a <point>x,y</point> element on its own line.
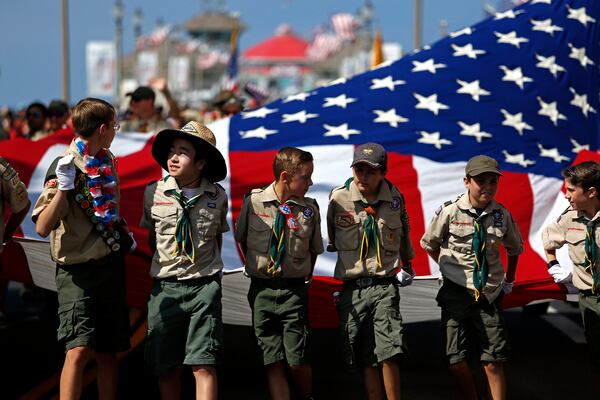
<point>279,235</point>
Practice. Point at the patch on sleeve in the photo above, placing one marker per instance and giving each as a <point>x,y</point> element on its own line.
<point>439,210</point>
<point>395,204</point>
<point>344,220</point>
<point>308,212</point>
<point>21,193</point>
<point>8,173</point>
<point>52,183</point>
<point>498,216</point>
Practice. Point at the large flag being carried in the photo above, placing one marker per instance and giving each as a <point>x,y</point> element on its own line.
<point>521,86</point>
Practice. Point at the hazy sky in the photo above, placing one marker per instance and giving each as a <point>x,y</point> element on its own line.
<point>30,54</point>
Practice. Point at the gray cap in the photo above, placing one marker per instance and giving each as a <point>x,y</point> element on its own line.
<point>481,164</point>
<point>370,153</point>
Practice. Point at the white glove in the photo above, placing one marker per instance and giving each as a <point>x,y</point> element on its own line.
<point>406,278</point>
<point>134,245</point>
<point>507,287</point>
<point>65,173</point>
<point>559,274</point>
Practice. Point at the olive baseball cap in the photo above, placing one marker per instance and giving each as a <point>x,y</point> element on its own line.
<point>481,164</point>
<point>370,153</point>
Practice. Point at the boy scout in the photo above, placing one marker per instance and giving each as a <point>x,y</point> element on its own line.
<point>368,227</point>
<point>79,209</point>
<point>13,192</point>
<point>576,227</point>
<point>279,233</point>
<point>186,214</point>
<point>464,238</point>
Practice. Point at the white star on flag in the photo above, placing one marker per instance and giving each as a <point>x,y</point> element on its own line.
<point>301,116</point>
<point>430,103</point>
<point>580,100</point>
<point>260,133</point>
<point>541,1</point>
<point>340,130</point>
<point>258,113</point>
<point>578,147</point>
<point>464,31</point>
<point>340,101</point>
<point>472,88</point>
<point>473,130</point>
<point>552,153</point>
<point>434,139</point>
<point>580,55</point>
<point>517,159</point>
<point>549,63</point>
<point>298,96</point>
<point>507,14</point>
<point>389,117</point>
<point>511,38</point>
<point>466,50</point>
<point>515,121</point>
<point>580,15</point>
<point>545,26</point>
<point>549,110</point>
<point>386,83</point>
<point>428,65</point>
<point>515,75</point>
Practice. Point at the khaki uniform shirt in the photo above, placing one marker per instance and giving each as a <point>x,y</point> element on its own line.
<point>153,125</point>
<point>75,240</point>
<point>451,231</point>
<point>208,218</point>
<point>570,229</point>
<point>346,217</point>
<point>12,191</point>
<point>254,230</point>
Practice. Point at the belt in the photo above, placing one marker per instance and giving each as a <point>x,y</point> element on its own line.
<point>278,283</point>
<point>588,292</point>
<point>367,281</point>
<point>195,281</point>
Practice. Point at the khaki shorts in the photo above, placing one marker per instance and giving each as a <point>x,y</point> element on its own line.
<point>280,320</point>
<point>466,322</point>
<point>370,324</point>
<point>589,304</point>
<point>92,310</point>
<point>185,324</point>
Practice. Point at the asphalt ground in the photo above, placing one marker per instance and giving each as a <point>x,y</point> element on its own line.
<point>550,361</point>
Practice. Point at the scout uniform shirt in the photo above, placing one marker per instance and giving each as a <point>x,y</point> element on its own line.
<point>208,218</point>
<point>13,191</point>
<point>153,125</point>
<point>451,231</point>
<point>254,227</point>
<point>570,228</point>
<point>346,218</point>
<point>76,239</point>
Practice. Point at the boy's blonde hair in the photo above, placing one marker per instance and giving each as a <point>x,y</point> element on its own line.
<point>88,114</point>
<point>290,159</point>
<point>585,174</point>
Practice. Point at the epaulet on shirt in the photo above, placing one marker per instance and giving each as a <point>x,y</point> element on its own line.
<point>152,182</point>
<point>219,186</point>
<point>257,190</point>
<point>446,204</point>
<point>336,189</point>
<point>563,213</point>
<point>6,170</point>
<point>51,173</point>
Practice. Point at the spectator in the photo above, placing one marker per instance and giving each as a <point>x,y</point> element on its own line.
<point>59,114</point>
<point>37,117</point>
<point>228,103</point>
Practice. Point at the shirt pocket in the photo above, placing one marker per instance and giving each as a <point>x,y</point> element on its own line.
<point>298,241</point>
<point>391,232</point>
<point>461,238</point>
<point>576,241</point>
<point>347,233</point>
<point>208,223</point>
<point>165,220</point>
<point>259,234</point>
<point>494,237</point>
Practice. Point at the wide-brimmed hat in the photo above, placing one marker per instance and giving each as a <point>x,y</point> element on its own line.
<point>227,97</point>
<point>205,143</point>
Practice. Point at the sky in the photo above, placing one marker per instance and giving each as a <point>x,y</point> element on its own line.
<point>30,52</point>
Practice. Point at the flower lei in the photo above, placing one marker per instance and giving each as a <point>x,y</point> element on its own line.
<point>101,183</point>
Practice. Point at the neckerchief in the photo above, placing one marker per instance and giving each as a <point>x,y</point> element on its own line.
<point>101,183</point>
<point>370,236</point>
<point>284,217</point>
<point>591,253</point>
<point>480,266</point>
<point>183,230</point>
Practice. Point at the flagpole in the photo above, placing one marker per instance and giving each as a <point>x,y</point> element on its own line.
<point>65,49</point>
<point>418,23</point>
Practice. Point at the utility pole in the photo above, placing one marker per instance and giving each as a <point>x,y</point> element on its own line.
<point>65,49</point>
<point>443,28</point>
<point>118,15</point>
<point>418,24</point>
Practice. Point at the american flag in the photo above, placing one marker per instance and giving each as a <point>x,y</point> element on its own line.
<point>521,86</point>
<point>344,25</point>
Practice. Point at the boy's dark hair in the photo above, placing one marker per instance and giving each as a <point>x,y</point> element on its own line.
<point>88,114</point>
<point>290,159</point>
<point>43,109</point>
<point>585,174</point>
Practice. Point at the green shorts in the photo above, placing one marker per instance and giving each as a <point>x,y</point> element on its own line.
<point>466,323</point>
<point>370,323</point>
<point>589,304</point>
<point>185,324</point>
<point>92,310</point>
<point>280,320</point>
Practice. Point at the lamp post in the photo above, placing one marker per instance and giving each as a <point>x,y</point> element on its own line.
<point>118,16</point>
<point>418,23</point>
<point>365,14</point>
<point>65,49</point>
